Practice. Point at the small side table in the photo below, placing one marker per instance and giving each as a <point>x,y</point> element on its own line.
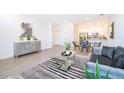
<point>67,62</point>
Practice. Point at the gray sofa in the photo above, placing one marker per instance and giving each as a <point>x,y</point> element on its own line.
<point>114,73</point>
<point>110,56</point>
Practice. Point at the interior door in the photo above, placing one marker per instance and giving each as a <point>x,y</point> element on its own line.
<point>57,38</point>
<point>56,34</point>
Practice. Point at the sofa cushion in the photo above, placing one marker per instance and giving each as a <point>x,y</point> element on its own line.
<point>119,61</point>
<point>119,50</point>
<point>108,52</point>
<point>102,59</point>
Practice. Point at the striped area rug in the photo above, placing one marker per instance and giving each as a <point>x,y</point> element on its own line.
<point>49,70</point>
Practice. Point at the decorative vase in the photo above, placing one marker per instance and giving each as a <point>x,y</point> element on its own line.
<point>21,38</point>
<point>28,38</point>
<point>68,51</point>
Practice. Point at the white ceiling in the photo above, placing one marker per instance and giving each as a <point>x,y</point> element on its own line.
<point>60,18</point>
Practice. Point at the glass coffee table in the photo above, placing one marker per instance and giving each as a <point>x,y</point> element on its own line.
<point>67,62</point>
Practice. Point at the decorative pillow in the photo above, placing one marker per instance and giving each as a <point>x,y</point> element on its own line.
<point>119,50</point>
<point>119,61</point>
<point>108,52</point>
<point>115,59</point>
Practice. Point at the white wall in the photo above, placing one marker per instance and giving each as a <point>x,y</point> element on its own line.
<point>65,33</point>
<point>56,33</point>
<point>10,30</point>
<point>119,29</point>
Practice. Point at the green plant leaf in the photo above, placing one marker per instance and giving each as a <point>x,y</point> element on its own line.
<point>67,45</point>
<point>97,70</point>
<point>96,75</point>
<point>86,71</point>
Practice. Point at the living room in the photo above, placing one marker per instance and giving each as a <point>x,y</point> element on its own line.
<point>61,46</point>
<point>51,32</point>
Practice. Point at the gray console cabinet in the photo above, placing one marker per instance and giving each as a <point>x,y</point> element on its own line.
<point>21,48</point>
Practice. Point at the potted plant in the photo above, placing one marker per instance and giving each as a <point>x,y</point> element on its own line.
<point>67,47</point>
<point>96,74</point>
<point>29,37</point>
